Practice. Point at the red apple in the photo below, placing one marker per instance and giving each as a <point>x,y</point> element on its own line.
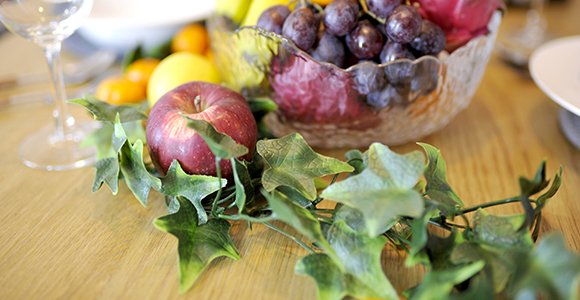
<point>169,138</point>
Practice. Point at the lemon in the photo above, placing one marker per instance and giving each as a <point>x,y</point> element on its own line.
<point>179,68</point>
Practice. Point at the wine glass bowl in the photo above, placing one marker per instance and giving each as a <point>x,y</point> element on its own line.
<point>335,107</point>
<point>47,23</point>
<point>38,20</point>
<point>516,46</point>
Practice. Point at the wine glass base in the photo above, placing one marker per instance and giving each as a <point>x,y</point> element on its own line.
<point>516,47</point>
<point>43,150</point>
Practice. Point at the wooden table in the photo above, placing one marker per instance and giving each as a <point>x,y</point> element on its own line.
<point>60,241</point>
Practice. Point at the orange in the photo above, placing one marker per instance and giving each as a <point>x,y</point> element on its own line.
<point>119,90</point>
<point>140,70</point>
<point>191,38</point>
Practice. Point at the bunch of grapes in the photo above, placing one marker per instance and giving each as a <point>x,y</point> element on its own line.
<point>343,34</point>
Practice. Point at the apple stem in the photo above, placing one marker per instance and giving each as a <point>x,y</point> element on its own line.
<point>197,103</point>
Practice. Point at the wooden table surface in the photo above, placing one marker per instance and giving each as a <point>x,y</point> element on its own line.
<point>60,241</point>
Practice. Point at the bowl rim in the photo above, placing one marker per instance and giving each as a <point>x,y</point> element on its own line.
<point>441,57</point>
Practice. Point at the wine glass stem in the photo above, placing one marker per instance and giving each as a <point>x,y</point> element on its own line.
<point>64,122</point>
<point>535,16</point>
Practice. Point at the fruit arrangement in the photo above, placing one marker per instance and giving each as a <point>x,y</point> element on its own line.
<point>346,74</point>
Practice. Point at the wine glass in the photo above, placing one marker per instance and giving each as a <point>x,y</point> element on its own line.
<point>518,45</point>
<point>47,23</point>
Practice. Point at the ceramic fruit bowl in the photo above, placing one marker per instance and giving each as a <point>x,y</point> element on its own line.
<point>391,103</point>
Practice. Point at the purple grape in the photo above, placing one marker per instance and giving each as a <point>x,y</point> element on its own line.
<point>389,95</point>
<point>368,77</point>
<point>313,9</point>
<point>329,49</point>
<point>340,17</point>
<point>393,51</point>
<point>403,24</point>
<point>426,77</point>
<point>273,18</point>
<point>397,72</point>
<point>430,41</point>
<point>382,8</point>
<point>301,28</point>
<point>365,41</point>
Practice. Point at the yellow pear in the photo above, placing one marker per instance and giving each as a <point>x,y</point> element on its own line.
<point>179,68</point>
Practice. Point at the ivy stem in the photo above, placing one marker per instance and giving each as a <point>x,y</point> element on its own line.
<point>231,205</point>
<point>489,204</point>
<point>289,236</point>
<point>323,211</point>
<point>227,198</point>
<point>318,198</point>
<point>247,218</point>
<point>323,218</point>
<point>219,192</point>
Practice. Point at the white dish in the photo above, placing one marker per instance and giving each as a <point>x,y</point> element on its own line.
<point>555,67</point>
<point>123,24</point>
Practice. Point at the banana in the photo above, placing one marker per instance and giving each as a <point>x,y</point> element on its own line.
<point>234,9</point>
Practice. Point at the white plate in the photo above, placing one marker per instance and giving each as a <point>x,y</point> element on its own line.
<point>555,67</point>
<point>123,24</point>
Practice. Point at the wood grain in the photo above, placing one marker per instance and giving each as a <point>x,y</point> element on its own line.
<point>60,241</point>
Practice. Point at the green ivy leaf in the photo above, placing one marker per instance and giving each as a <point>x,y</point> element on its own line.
<point>550,271</point>
<point>108,173</point>
<point>530,187</point>
<point>105,112</point>
<point>544,198</point>
<point>401,171</point>
<point>480,288</point>
<point>138,179</point>
<point>198,245</point>
<point>439,249</point>
<point>293,163</point>
<point>360,255</point>
<point>300,218</point>
<point>438,284</point>
<point>221,145</point>
<point>127,160</point>
<point>500,230</point>
<point>499,262</point>
<point>294,195</point>
<point>243,184</point>
<point>328,276</point>
<point>260,107</point>
<point>420,236</point>
<point>437,188</point>
<point>193,187</point>
<point>351,216</point>
<point>384,190</point>
<point>101,140</point>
